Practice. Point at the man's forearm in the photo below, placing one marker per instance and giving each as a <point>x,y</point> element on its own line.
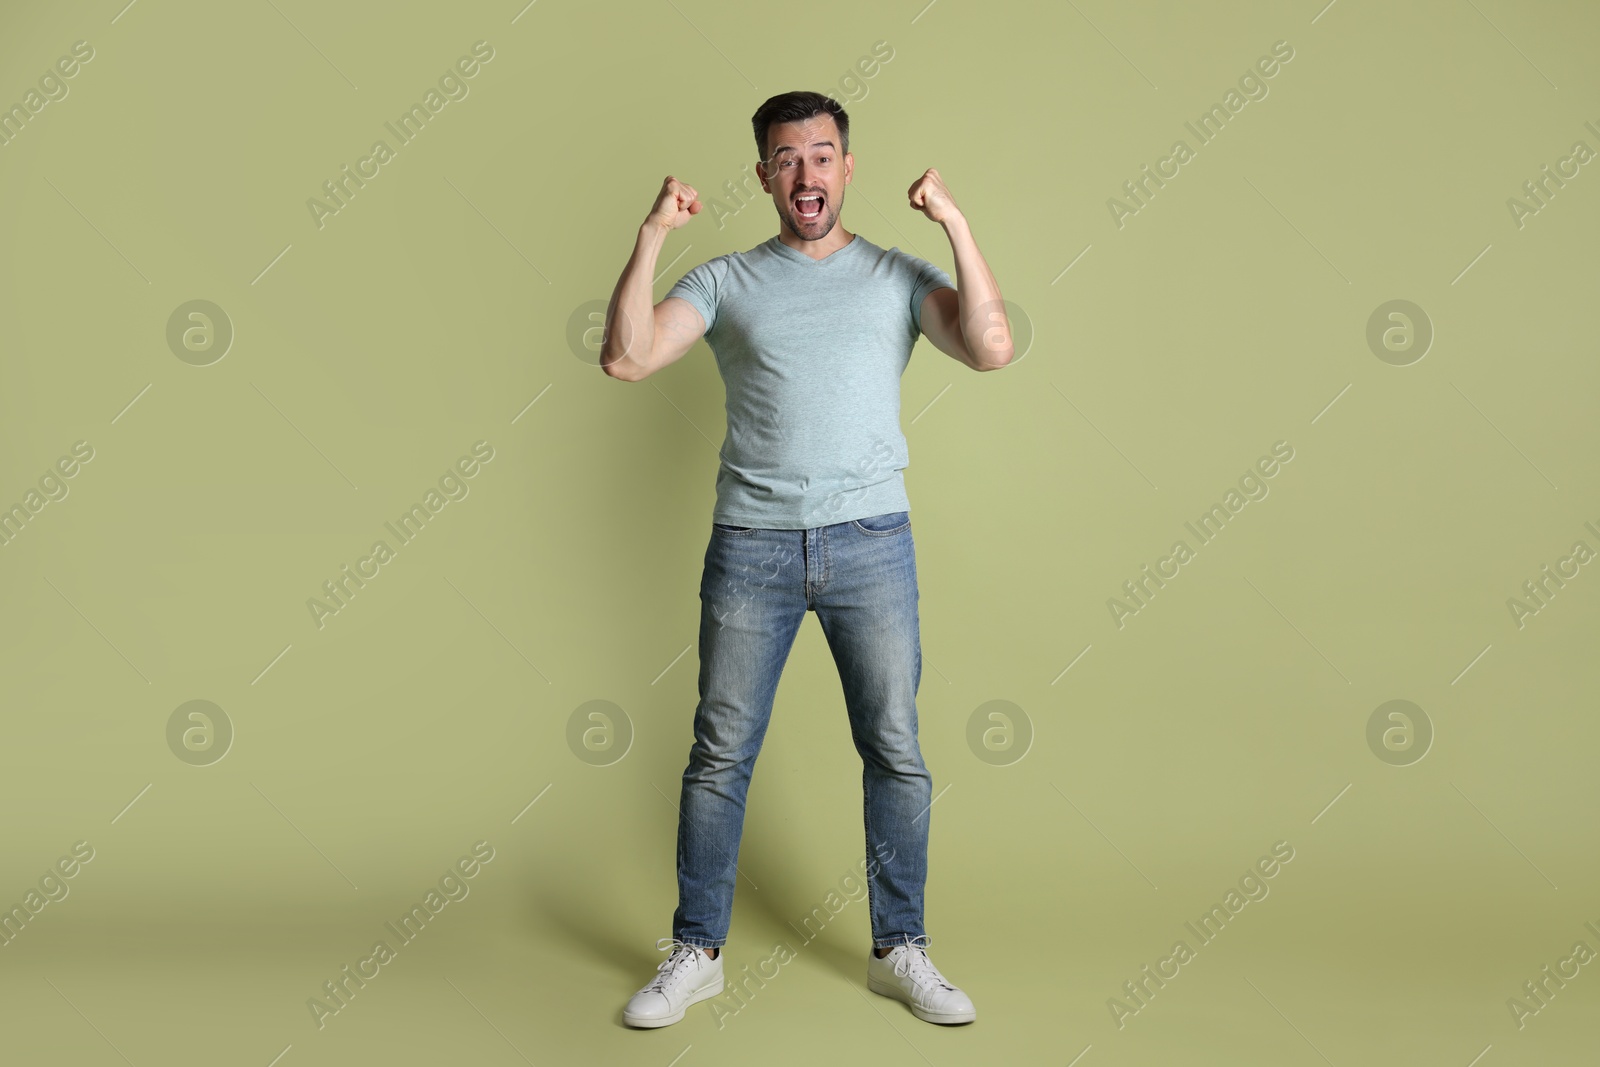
<point>984,325</point>
<point>630,317</point>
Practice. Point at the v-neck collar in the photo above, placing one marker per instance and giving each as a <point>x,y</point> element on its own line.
<point>777,245</point>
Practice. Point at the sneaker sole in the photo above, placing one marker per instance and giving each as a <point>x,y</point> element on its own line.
<point>894,992</point>
<point>667,1020</point>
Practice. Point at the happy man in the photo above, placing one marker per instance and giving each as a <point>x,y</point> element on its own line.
<point>811,331</point>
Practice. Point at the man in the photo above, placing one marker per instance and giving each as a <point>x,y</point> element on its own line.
<point>811,330</point>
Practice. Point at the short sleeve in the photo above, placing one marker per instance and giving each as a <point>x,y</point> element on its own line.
<point>699,287</point>
<point>928,278</point>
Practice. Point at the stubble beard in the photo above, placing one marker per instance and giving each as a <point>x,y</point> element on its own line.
<point>813,230</point>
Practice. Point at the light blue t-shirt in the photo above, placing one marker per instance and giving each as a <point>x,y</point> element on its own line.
<point>811,352</point>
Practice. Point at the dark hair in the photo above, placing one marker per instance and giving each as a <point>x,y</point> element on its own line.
<point>797,107</point>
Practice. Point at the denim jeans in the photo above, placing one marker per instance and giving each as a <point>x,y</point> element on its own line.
<point>860,577</point>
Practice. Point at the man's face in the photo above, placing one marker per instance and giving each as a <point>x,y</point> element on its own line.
<point>805,162</point>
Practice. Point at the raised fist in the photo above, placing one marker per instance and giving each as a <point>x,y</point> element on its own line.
<point>676,203</point>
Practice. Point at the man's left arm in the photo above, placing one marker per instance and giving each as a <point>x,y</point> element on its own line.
<point>968,322</point>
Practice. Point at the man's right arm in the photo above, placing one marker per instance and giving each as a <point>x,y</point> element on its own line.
<point>641,338</point>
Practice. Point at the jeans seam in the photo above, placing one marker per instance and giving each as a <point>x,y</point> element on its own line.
<point>866,819</point>
<point>701,942</point>
<point>901,939</point>
<point>902,528</point>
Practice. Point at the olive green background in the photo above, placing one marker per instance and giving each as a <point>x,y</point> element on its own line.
<point>1158,760</point>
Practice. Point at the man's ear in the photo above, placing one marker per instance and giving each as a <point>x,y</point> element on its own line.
<point>849,166</point>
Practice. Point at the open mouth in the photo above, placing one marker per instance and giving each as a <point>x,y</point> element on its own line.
<point>808,206</point>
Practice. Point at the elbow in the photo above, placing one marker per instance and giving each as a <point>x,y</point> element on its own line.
<point>993,360</point>
<point>620,368</point>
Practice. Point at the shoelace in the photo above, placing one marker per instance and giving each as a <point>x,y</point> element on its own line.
<point>682,955</point>
<point>915,962</point>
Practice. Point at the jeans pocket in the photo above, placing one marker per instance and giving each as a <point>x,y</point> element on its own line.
<point>883,525</point>
<point>732,531</point>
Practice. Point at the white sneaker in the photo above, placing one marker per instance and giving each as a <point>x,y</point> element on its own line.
<point>685,977</point>
<point>907,974</point>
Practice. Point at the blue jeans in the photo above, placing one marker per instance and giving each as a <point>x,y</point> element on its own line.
<point>860,577</point>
